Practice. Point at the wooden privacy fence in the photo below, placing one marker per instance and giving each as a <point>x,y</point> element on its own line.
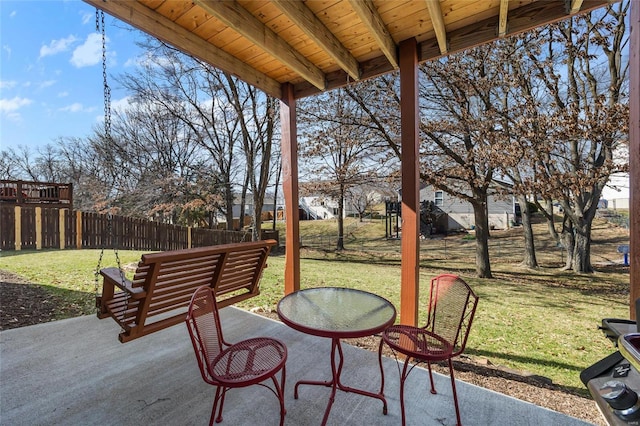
<point>24,228</point>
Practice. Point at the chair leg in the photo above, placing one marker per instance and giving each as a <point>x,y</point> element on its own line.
<point>215,405</point>
<point>224,394</point>
<point>280,393</point>
<point>403,377</point>
<point>433,386</point>
<point>455,394</point>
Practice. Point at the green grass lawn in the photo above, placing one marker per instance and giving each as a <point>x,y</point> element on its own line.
<point>542,321</point>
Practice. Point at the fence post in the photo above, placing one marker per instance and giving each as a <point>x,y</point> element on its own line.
<point>188,237</point>
<point>18,227</point>
<point>61,214</point>
<point>38,228</point>
<point>78,229</point>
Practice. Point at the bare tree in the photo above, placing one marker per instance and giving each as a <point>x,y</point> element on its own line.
<point>230,120</point>
<point>256,115</point>
<point>192,92</point>
<point>335,149</point>
<point>581,66</point>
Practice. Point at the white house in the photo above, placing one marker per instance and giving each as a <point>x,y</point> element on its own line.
<point>616,193</point>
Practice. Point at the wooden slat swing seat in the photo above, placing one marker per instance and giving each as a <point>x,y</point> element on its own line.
<point>159,294</point>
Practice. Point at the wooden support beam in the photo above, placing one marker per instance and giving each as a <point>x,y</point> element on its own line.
<point>304,18</point>
<point>61,221</point>
<point>368,14</point>
<point>437,20</point>
<point>575,6</point>
<point>17,223</point>
<point>289,152</point>
<point>634,155</point>
<point>78,229</point>
<point>145,19</point>
<point>410,245</point>
<point>520,19</point>
<point>502,19</point>
<point>243,22</point>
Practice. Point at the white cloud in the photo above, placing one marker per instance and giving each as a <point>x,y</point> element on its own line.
<point>47,83</point>
<point>149,60</point>
<point>132,62</point>
<point>13,14</point>
<point>89,53</point>
<point>63,94</point>
<point>117,105</point>
<point>11,105</point>
<point>57,46</point>
<point>86,17</point>
<point>7,49</point>
<point>7,84</point>
<point>121,105</point>
<point>74,107</point>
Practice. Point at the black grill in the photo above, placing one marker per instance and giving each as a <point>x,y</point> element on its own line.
<point>614,382</point>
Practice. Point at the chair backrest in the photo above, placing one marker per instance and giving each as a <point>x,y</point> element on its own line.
<point>452,306</point>
<point>203,323</point>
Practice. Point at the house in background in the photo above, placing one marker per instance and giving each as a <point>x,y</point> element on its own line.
<point>318,207</point>
<point>359,199</point>
<point>267,209</point>
<point>616,193</point>
<point>458,215</point>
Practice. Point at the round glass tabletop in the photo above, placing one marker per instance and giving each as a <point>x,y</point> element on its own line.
<point>336,312</point>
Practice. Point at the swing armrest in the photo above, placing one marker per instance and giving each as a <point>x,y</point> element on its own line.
<point>113,277</point>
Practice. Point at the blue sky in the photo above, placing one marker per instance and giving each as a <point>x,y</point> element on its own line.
<point>51,70</point>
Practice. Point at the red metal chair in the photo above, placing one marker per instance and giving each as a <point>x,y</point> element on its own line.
<point>452,305</point>
<point>236,365</point>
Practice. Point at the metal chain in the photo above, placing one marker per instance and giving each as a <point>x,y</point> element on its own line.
<point>101,27</point>
<point>107,89</point>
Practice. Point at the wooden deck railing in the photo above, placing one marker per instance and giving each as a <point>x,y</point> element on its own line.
<point>24,193</point>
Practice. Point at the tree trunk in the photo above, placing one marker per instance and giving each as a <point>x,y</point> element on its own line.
<point>551,225</point>
<point>257,219</point>
<point>243,201</point>
<point>582,248</point>
<point>340,243</point>
<point>567,240</point>
<point>228,193</point>
<point>275,196</point>
<point>529,260</point>
<point>483,266</point>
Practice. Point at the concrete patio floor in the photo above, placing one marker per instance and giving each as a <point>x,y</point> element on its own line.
<point>76,372</point>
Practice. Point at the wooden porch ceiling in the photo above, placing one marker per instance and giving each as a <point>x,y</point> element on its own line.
<point>317,45</point>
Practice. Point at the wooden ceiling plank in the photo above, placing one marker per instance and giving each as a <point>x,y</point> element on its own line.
<point>242,21</point>
<point>502,20</point>
<point>367,12</point>
<point>535,14</point>
<point>438,24</point>
<point>152,23</point>
<point>520,19</point>
<point>575,6</point>
<point>307,21</point>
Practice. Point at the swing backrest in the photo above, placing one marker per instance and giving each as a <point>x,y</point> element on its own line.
<point>158,295</point>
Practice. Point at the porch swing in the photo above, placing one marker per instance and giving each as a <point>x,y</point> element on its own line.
<point>163,283</point>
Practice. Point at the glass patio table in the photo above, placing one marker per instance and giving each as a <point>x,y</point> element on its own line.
<point>337,313</point>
